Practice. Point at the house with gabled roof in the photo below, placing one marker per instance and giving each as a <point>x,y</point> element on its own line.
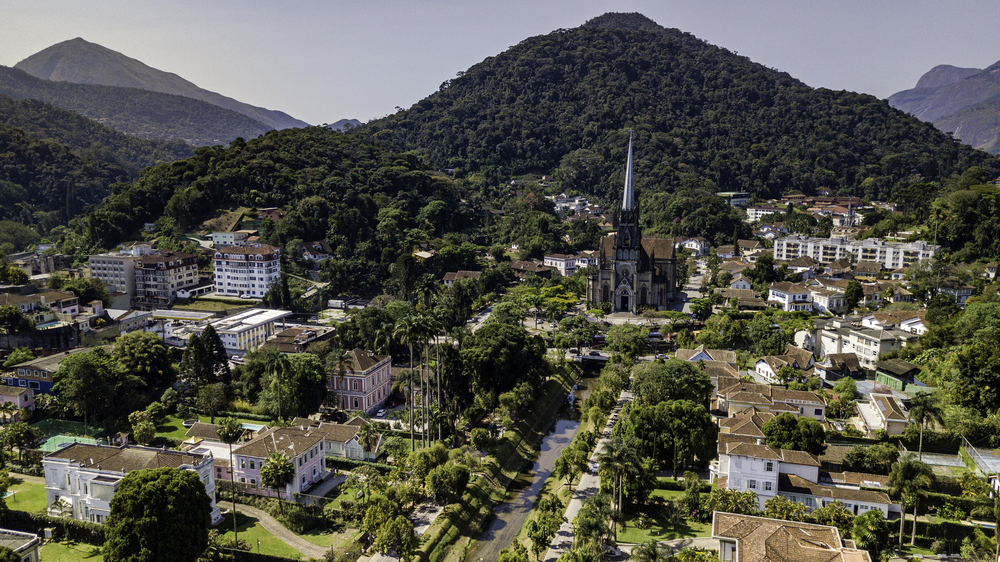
<point>837,366</point>
<point>367,383</point>
<point>316,251</point>
<point>881,412</point>
<point>790,296</point>
<point>734,396</point>
<point>868,270</point>
<point>741,282</point>
<point>304,447</point>
<point>746,538</point>
<point>700,353</point>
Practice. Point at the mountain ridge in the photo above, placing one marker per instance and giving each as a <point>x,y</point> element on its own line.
<point>82,62</point>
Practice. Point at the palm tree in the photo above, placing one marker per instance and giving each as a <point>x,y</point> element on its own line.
<point>404,385</point>
<point>277,365</point>
<point>619,458</point>
<point>338,362</point>
<point>427,329</point>
<point>924,409</point>
<point>277,473</point>
<point>368,436</point>
<point>906,479</point>
<point>7,410</point>
<point>407,331</point>
<point>229,431</point>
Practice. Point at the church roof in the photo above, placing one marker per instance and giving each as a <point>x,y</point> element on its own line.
<point>628,201</point>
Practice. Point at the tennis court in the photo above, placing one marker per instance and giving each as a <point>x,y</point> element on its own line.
<point>57,442</point>
<point>51,427</point>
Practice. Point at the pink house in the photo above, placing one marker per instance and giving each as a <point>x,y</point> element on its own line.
<point>22,398</point>
<point>302,445</point>
<point>367,383</point>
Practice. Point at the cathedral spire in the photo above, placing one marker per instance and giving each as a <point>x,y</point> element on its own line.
<point>628,202</point>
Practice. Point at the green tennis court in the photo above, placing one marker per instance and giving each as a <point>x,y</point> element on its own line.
<point>51,427</point>
<point>56,442</point>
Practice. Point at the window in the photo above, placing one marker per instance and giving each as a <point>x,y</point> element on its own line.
<point>769,467</point>
<point>752,484</point>
<point>354,384</point>
<point>243,463</point>
<point>253,482</point>
<point>818,411</point>
<point>767,486</point>
<point>355,403</point>
<point>251,465</point>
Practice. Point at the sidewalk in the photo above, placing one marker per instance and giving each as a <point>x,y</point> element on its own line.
<point>280,532</point>
<point>587,488</point>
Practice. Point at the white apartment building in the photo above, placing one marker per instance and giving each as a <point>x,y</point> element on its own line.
<point>839,336</point>
<point>246,270</point>
<point>892,255</point>
<point>758,212</point>
<point>85,477</point>
<point>117,270</point>
<point>247,330</point>
<point>563,263</point>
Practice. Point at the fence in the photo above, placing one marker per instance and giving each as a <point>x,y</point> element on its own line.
<point>986,461</point>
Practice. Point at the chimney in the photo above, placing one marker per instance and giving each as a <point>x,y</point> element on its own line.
<point>760,441</point>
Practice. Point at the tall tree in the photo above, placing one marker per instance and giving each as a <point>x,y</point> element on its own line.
<point>85,383</point>
<point>277,473</point>
<point>408,331</point>
<point>925,408</point>
<point>230,430</point>
<point>159,514</point>
<point>906,479</point>
<point>145,355</point>
<point>619,459</point>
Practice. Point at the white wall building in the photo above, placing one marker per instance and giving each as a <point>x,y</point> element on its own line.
<point>246,270</point>
<point>85,477</point>
<point>892,255</point>
<point>117,270</point>
<point>790,296</point>
<point>758,212</point>
<point>247,330</point>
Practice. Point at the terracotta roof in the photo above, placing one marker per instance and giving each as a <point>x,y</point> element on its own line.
<point>719,369</point>
<point>799,457</point>
<point>868,267</point>
<point>125,458</point>
<point>859,479</point>
<point>362,360</point>
<point>728,249</point>
<point>802,356</point>
<point>287,440</point>
<point>747,422</point>
<point>728,441</point>
<point>834,454</point>
<point>756,451</point>
<point>798,485</point>
<point>791,288</point>
<point>461,274</point>
<point>728,293</point>
<point>760,539</point>
<point>203,431</point>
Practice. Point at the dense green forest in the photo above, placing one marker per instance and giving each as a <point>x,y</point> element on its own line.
<point>88,138</point>
<point>564,103</point>
<point>44,183</point>
<point>136,112</point>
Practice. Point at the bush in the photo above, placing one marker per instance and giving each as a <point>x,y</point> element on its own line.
<point>348,464</point>
<point>939,547</point>
<point>63,528</point>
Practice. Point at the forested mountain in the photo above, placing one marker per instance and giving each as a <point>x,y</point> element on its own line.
<point>82,62</point>
<point>962,101</point>
<point>136,112</point>
<point>88,138</point>
<point>44,183</point>
<point>564,103</point>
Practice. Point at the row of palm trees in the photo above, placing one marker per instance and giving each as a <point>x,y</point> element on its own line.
<point>417,330</point>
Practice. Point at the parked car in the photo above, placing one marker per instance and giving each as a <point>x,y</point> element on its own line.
<point>595,353</point>
<point>380,413</point>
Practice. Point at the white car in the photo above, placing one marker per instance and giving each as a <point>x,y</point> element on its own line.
<point>380,413</point>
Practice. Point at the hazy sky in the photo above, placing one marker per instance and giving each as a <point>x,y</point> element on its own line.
<point>321,61</point>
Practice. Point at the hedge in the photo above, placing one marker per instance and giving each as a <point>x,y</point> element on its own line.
<point>927,533</point>
<point>678,485</point>
<point>64,527</point>
<point>935,499</point>
<point>251,556</point>
<point>347,464</point>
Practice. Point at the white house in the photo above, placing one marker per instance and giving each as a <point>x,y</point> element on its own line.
<point>827,300</point>
<point>247,330</point>
<point>740,281</point>
<point>84,477</point>
<point>790,296</point>
<point>698,246</point>
<point>563,263</point>
<point>758,212</point>
<point>882,411</point>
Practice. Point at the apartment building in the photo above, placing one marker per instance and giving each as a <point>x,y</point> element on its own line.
<point>159,275</point>
<point>234,238</point>
<point>839,336</point>
<point>247,330</point>
<point>758,212</point>
<point>246,271</point>
<point>117,270</point>
<point>84,477</point>
<point>892,255</point>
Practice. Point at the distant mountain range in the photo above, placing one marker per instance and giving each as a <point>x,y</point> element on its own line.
<point>81,62</point>
<point>344,124</point>
<point>962,101</point>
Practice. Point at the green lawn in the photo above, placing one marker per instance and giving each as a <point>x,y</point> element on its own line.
<point>60,551</point>
<point>658,529</point>
<point>342,492</point>
<point>332,537</point>
<point>30,497</point>
<point>251,531</point>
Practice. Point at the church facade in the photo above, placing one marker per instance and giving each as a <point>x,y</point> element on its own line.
<point>633,270</point>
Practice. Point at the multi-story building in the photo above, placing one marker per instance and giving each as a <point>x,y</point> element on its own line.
<point>790,296</point>
<point>735,198</point>
<point>83,478</point>
<point>745,538</point>
<point>25,545</point>
<point>882,411</point>
<point>160,274</point>
<point>247,330</point>
<point>234,238</point>
<point>246,271</point>
<point>37,373</point>
<point>892,255</point>
<point>840,336</point>
<point>758,212</point>
<point>365,385</point>
<point>303,446</point>
<point>565,264</point>
<point>117,270</point>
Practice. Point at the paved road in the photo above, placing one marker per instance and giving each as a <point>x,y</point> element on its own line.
<point>587,488</point>
<point>511,515</point>
<point>307,548</point>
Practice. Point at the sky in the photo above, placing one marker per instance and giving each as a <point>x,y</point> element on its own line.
<point>321,61</point>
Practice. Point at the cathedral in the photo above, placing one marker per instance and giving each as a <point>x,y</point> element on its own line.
<point>633,270</point>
